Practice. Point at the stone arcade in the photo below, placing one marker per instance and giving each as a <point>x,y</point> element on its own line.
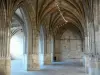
<point>53,30</point>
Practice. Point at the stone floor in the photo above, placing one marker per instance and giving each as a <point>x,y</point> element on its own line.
<point>58,68</point>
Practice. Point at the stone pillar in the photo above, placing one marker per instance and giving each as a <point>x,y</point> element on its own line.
<point>48,58</point>
<point>86,44</point>
<point>33,62</point>
<point>33,55</point>
<point>86,59</point>
<point>86,53</point>
<point>4,51</point>
<point>94,66</point>
<point>98,66</point>
<point>48,54</point>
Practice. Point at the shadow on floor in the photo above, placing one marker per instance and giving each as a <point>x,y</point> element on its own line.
<point>57,68</point>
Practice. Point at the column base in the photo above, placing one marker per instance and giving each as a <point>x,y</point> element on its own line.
<point>92,66</point>
<point>5,66</point>
<point>48,59</point>
<point>33,62</point>
<point>98,67</point>
<point>86,59</point>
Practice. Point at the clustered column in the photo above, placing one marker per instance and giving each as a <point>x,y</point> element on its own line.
<point>4,47</point>
<point>33,55</point>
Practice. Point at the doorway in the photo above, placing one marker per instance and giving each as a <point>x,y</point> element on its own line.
<point>18,42</point>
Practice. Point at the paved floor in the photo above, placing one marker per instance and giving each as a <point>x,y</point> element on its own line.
<point>59,68</point>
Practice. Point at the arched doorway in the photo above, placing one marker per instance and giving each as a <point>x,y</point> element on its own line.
<point>68,43</point>
<point>20,42</point>
<point>69,48</point>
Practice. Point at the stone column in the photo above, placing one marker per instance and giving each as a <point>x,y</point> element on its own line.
<point>86,62</point>
<point>98,66</point>
<point>33,55</point>
<point>4,51</point>
<point>48,54</point>
<point>94,66</point>
<point>86,53</point>
<point>4,43</point>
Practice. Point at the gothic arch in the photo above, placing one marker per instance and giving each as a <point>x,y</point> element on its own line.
<point>29,25</point>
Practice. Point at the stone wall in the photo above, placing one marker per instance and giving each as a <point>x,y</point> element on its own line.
<point>68,46</point>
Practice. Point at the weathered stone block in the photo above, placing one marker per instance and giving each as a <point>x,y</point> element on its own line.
<point>33,62</point>
<point>48,58</point>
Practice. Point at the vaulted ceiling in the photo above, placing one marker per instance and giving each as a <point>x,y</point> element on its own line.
<point>54,14</point>
<point>57,13</point>
<point>18,22</point>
